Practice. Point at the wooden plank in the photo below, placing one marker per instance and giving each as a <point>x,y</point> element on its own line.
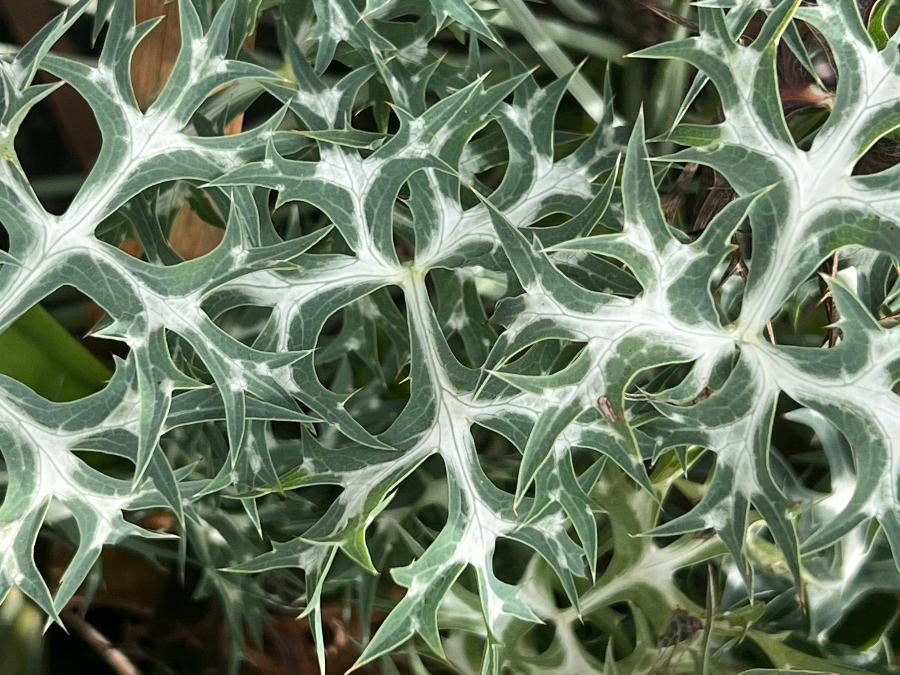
<point>25,18</point>
<point>153,61</point>
<point>155,56</point>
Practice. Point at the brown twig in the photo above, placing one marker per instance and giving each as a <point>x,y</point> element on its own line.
<point>673,202</point>
<point>671,17</point>
<point>831,312</point>
<point>718,196</point>
<point>113,656</point>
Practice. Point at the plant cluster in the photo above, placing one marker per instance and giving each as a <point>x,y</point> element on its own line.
<point>457,368</point>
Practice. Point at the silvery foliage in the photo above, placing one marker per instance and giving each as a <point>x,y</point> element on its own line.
<point>610,347</point>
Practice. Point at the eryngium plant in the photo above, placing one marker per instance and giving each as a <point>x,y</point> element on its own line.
<point>324,391</point>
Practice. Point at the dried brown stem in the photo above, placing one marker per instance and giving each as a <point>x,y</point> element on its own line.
<point>116,659</point>
<point>831,312</point>
<point>673,202</point>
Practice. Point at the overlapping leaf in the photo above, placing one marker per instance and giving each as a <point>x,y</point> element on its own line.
<point>610,347</point>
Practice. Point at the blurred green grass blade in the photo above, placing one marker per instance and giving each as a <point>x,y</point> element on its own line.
<point>585,40</point>
<point>20,635</point>
<point>670,80</point>
<point>577,11</point>
<point>538,37</point>
<point>37,351</point>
